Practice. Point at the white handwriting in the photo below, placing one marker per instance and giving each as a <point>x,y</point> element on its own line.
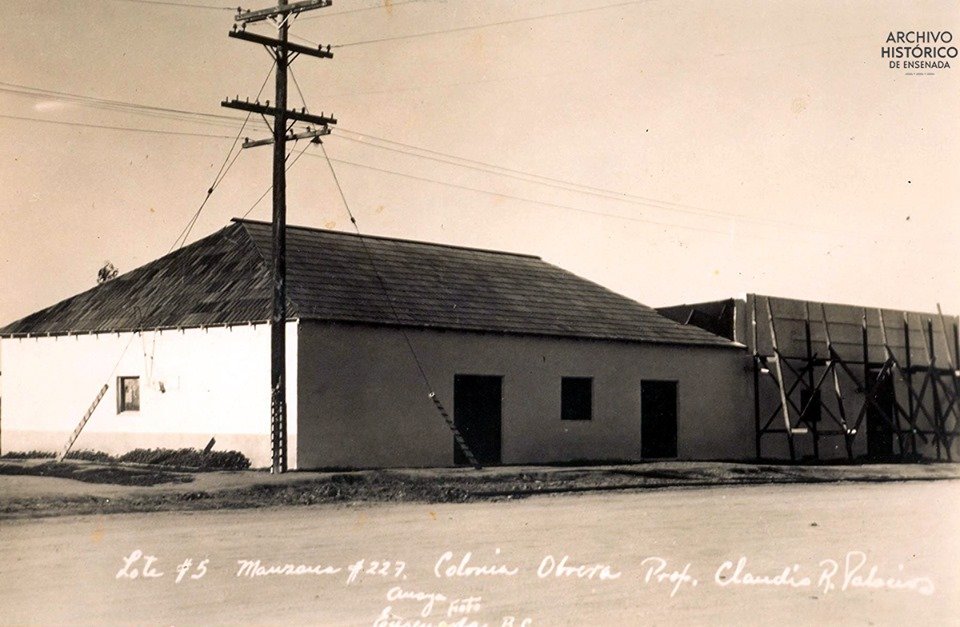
<point>657,571</point>
<point>853,577</point>
<point>550,566</point>
<point>252,568</point>
<point>446,568</point>
<point>740,576</point>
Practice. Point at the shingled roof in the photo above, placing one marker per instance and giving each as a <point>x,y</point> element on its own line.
<point>332,276</point>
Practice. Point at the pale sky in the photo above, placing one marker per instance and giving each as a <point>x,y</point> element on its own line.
<point>750,146</point>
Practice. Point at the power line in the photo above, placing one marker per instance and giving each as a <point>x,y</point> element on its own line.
<point>220,175</point>
<point>393,172</point>
<point>222,172</point>
<point>296,84</point>
<point>491,24</point>
<point>38,91</point>
<point>264,194</point>
<point>502,170</point>
<point>443,157</point>
<point>283,122</point>
<point>182,5</point>
<point>560,184</point>
<point>427,86</point>
<point>481,166</point>
<point>384,7</point>
<point>523,199</point>
<point>383,285</point>
<point>359,165</point>
<point>118,105</point>
<point>114,128</point>
<point>138,330</point>
<point>457,436</point>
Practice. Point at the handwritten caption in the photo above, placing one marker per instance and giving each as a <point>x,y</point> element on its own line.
<point>853,571</point>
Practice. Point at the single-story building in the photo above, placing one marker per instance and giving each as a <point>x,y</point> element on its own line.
<point>534,363</point>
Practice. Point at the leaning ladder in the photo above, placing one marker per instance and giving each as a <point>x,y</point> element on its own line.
<point>456,433</point>
<point>83,422</point>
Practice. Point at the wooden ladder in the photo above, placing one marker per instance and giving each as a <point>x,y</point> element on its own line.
<point>83,421</point>
<point>457,436</point>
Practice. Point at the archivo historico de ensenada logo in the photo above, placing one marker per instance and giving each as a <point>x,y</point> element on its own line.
<point>919,52</point>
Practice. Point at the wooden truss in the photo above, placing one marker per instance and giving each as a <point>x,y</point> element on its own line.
<point>931,414</point>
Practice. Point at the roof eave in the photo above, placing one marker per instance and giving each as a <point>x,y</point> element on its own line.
<point>722,344</point>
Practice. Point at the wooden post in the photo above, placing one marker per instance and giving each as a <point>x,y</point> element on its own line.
<point>909,376</point>
<point>891,363</point>
<point>783,392</point>
<point>867,383</point>
<point>864,336</point>
<point>937,411</point>
<point>956,346</point>
<point>956,372</point>
<point>278,321</point>
<point>955,396</point>
<point>756,375</point>
<point>281,49</point>
<point>806,409</point>
<point>832,354</point>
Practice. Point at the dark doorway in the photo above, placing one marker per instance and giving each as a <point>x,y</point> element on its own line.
<point>476,413</point>
<point>879,429</point>
<point>658,419</point>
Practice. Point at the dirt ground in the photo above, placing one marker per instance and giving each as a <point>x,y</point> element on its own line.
<point>65,570</point>
<point>91,487</point>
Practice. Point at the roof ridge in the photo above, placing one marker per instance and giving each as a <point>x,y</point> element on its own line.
<point>392,239</point>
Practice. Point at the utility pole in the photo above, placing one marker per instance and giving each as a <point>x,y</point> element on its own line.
<point>284,53</point>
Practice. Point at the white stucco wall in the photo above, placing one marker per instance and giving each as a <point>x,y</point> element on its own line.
<point>362,402</point>
<point>216,383</point>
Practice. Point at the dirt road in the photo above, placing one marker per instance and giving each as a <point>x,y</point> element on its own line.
<point>65,570</point>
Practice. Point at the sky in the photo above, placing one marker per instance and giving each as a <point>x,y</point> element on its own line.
<point>673,151</point>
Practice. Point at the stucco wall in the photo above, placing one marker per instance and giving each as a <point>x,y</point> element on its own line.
<point>363,404</point>
<point>215,383</point>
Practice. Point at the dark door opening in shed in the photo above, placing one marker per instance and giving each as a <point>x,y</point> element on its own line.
<point>658,419</point>
<point>879,430</point>
<point>476,413</point>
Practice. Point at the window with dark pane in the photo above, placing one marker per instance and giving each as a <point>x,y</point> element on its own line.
<point>576,398</point>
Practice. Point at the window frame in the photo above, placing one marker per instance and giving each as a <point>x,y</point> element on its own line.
<point>122,405</point>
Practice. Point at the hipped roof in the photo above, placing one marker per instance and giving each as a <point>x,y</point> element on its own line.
<point>224,279</point>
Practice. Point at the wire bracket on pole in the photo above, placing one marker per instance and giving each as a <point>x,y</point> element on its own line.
<point>285,9</point>
<point>311,134</point>
<point>320,51</point>
<point>283,53</point>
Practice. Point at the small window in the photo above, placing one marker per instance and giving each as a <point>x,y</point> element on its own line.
<point>128,394</point>
<point>576,398</point>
